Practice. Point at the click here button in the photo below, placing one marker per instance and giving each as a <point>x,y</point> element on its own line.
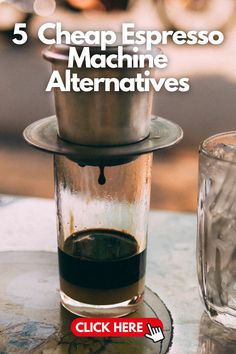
<point>114,327</point>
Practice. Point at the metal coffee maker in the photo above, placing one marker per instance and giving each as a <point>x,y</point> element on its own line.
<point>103,144</point>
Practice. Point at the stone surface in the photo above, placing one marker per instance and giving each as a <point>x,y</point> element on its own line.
<point>29,224</point>
<point>31,319</point>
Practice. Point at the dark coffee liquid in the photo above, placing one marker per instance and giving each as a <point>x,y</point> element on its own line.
<point>101,259</point>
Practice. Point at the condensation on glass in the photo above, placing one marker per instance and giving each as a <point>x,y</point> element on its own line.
<point>216,246</point>
<point>102,235</point>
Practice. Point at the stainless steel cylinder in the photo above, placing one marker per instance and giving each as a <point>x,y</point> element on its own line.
<point>100,118</point>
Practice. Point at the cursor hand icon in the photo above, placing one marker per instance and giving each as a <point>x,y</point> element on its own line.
<point>155,333</point>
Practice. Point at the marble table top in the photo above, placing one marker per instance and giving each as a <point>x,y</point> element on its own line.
<point>30,224</point>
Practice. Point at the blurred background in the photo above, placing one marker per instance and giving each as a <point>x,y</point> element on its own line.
<point>207,109</point>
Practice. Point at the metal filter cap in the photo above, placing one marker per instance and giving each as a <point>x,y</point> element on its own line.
<point>42,134</point>
<point>101,118</point>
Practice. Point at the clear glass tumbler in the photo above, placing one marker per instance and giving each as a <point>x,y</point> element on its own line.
<point>216,246</point>
<point>102,218</point>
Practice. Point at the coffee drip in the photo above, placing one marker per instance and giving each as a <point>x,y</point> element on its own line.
<point>102,178</point>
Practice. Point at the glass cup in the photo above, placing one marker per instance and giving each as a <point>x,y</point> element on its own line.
<point>102,216</point>
<point>216,245</point>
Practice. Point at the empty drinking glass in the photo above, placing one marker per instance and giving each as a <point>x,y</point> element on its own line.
<point>216,246</point>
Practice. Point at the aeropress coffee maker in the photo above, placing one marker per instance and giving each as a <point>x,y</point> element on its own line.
<point>102,144</point>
